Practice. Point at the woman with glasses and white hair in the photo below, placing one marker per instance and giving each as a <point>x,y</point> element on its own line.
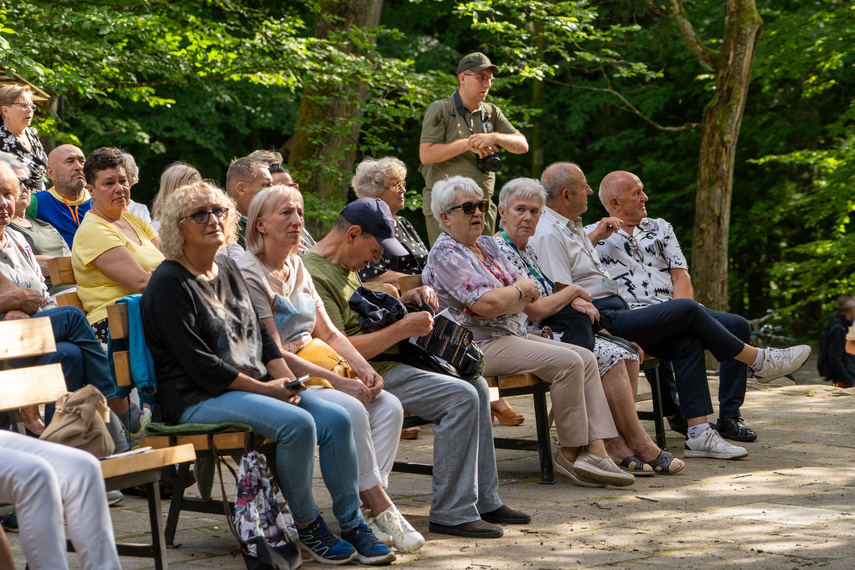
<point>216,362</point>
<point>386,179</point>
<point>485,293</point>
<point>17,137</point>
<point>520,204</point>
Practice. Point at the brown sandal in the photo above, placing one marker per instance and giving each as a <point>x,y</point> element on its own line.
<point>509,417</point>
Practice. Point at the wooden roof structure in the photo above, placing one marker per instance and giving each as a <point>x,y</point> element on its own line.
<point>39,96</point>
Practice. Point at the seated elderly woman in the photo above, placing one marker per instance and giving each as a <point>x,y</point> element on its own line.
<point>23,294</point>
<point>520,205</point>
<point>484,292</point>
<point>44,239</point>
<point>215,362</point>
<point>174,176</point>
<point>293,313</point>
<point>114,252</point>
<point>386,179</point>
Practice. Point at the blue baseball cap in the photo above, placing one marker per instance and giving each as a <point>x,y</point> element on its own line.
<point>374,217</point>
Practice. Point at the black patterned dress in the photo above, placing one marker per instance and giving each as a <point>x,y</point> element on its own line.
<point>36,161</point>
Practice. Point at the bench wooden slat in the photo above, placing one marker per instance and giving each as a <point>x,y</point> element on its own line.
<point>69,300</point>
<point>154,459</point>
<point>117,315</point>
<point>407,282</point>
<point>31,386</point>
<point>122,366</point>
<point>61,272</point>
<point>515,381</point>
<point>26,337</point>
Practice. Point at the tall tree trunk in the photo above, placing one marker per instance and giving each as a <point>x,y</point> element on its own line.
<point>327,130</point>
<point>720,126</point>
<point>536,140</point>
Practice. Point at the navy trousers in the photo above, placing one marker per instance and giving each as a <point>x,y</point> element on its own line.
<point>679,330</point>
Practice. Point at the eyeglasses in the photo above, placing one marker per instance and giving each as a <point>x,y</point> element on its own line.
<point>470,207</point>
<point>202,216</point>
<point>25,106</point>
<point>402,185</point>
<point>482,78</point>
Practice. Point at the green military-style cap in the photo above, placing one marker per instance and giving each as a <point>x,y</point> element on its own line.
<point>475,62</point>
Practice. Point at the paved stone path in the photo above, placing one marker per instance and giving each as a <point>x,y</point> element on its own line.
<point>790,504</point>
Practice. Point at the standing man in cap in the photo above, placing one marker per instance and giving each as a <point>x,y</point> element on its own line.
<point>461,136</point>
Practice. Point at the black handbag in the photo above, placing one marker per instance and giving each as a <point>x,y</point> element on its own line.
<point>576,327</point>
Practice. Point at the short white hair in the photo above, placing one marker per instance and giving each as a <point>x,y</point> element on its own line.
<point>520,189</point>
<point>445,194</point>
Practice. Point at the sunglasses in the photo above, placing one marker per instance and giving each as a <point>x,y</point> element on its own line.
<point>470,207</point>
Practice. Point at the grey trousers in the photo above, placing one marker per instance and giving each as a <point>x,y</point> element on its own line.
<point>465,482</point>
<point>581,411</point>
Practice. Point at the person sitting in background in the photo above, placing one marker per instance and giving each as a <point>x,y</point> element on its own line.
<point>215,362</point>
<point>386,179</point>
<point>47,482</point>
<point>521,203</point>
<point>466,488</point>
<point>43,238</point>
<point>835,363</point>
<point>286,302</point>
<point>174,176</point>
<point>64,205</point>
<point>246,178</point>
<point>133,172</point>
<point>114,252</point>
<point>23,295</point>
<point>484,293</point>
<point>17,137</point>
<point>282,176</point>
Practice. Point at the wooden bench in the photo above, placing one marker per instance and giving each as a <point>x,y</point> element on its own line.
<point>61,273</point>
<point>226,443</point>
<point>37,385</point>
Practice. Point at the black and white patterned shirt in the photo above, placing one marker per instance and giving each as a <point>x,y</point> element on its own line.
<point>641,263</point>
<point>36,161</point>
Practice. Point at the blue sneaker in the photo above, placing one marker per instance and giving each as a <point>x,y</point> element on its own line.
<point>369,550</point>
<point>324,546</point>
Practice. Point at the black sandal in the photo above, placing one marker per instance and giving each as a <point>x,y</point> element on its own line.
<point>666,464</point>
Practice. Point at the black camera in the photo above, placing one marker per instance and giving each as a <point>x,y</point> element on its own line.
<point>489,163</point>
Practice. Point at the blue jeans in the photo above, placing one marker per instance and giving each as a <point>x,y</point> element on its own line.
<point>465,481</point>
<point>297,430</point>
<point>78,351</point>
<point>679,330</point>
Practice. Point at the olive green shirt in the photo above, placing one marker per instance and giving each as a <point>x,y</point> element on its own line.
<point>442,125</point>
<point>335,285</point>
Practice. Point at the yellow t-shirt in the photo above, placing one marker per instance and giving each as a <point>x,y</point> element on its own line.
<point>95,236</point>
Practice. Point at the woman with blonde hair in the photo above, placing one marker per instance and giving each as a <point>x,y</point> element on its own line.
<point>215,362</point>
<point>285,299</point>
<point>174,176</point>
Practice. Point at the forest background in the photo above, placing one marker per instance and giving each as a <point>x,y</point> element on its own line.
<point>608,84</point>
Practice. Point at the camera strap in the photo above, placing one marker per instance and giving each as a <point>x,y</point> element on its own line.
<point>462,110</point>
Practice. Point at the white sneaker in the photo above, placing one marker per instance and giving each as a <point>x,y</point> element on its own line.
<point>404,537</point>
<point>382,536</point>
<point>710,444</point>
<point>781,361</point>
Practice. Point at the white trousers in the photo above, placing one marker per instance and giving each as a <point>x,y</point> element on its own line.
<point>376,432</point>
<point>42,479</point>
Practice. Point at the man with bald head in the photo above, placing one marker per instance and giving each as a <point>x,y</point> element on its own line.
<point>64,205</point>
<point>645,258</point>
<point>679,330</point>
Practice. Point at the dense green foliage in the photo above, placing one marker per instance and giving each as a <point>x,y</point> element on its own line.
<point>206,81</point>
